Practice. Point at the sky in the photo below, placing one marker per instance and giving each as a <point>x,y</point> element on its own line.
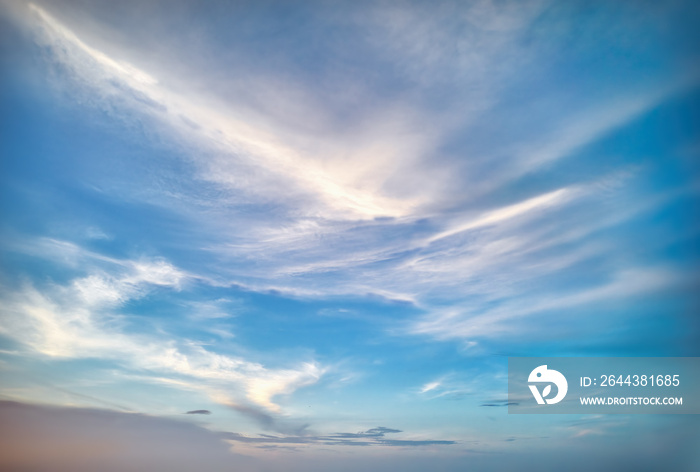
<point>308,235</point>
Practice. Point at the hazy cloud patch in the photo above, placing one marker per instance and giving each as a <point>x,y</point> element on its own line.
<point>371,437</point>
<point>496,403</point>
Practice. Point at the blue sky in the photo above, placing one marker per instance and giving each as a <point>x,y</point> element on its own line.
<point>328,224</point>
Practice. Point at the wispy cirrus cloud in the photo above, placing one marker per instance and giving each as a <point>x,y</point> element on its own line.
<point>83,319</point>
<point>514,316</point>
<point>357,178</point>
<point>237,146</point>
<point>509,212</point>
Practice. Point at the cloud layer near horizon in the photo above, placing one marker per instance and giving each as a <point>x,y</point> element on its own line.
<point>80,439</point>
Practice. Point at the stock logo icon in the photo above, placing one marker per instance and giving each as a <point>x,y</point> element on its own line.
<point>543,375</point>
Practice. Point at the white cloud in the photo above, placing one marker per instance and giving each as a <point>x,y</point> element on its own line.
<point>429,386</point>
<point>80,320</point>
<point>347,176</point>
<point>123,69</point>
<point>512,316</point>
<point>511,211</point>
<point>452,385</point>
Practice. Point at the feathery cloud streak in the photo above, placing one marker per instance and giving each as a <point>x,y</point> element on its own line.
<point>82,319</point>
<point>235,144</point>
